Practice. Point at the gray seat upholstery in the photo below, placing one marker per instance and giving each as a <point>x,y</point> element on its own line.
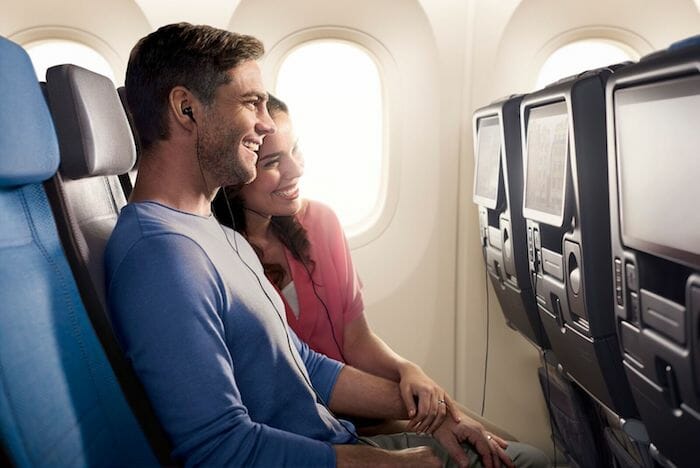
<point>96,145</point>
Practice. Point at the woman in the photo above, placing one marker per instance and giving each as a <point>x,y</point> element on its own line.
<point>305,254</point>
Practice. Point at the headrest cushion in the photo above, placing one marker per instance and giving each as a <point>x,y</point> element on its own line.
<point>93,132</point>
<point>28,145</point>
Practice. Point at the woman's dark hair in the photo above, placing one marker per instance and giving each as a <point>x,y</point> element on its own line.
<point>276,105</point>
<point>287,228</point>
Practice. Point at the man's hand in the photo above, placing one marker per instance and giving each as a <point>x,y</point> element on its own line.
<point>348,456</point>
<point>433,402</point>
<point>489,447</point>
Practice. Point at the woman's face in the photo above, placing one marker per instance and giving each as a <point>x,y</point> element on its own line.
<point>275,190</point>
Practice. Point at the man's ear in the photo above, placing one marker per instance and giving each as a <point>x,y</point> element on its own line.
<point>183,106</point>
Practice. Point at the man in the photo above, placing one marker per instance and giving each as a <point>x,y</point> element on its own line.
<point>206,333</point>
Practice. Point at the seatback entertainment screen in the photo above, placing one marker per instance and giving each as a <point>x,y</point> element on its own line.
<point>546,160</point>
<point>488,162</point>
<point>657,136</point>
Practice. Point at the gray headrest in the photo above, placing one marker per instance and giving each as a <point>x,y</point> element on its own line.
<point>93,132</point>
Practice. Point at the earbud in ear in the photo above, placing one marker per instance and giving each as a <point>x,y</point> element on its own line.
<point>188,112</point>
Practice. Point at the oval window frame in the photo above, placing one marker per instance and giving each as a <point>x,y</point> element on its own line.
<point>27,37</point>
<point>380,217</point>
<point>628,41</point>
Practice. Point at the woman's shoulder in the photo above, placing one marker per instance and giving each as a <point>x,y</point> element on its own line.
<point>314,212</point>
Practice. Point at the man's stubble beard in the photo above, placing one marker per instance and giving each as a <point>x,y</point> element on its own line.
<point>221,160</point>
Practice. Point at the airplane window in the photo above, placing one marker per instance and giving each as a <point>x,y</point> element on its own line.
<point>47,53</point>
<point>580,56</point>
<point>334,92</point>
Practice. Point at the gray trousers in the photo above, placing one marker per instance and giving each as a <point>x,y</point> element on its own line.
<point>523,455</point>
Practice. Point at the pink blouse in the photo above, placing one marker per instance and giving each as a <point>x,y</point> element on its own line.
<point>334,278</point>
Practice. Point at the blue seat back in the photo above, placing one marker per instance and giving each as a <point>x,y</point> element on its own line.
<point>60,404</point>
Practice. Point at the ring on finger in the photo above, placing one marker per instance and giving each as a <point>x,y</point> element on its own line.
<point>441,402</point>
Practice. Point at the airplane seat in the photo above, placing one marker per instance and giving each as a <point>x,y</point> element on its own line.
<point>96,145</point>
<point>653,110</point>
<point>498,194</point>
<point>128,179</point>
<point>60,404</point>
<point>566,207</point>
<point>565,204</point>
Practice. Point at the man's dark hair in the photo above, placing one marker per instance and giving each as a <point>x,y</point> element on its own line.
<point>196,57</point>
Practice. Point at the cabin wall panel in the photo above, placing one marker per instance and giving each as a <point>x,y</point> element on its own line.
<point>111,27</point>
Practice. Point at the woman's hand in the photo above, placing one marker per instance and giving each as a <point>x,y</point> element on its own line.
<point>490,448</point>
<point>433,402</point>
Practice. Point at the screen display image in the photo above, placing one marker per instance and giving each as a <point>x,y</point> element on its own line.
<point>546,151</point>
<point>488,161</point>
<point>657,130</point>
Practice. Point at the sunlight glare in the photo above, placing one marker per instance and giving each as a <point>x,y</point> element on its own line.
<point>334,93</point>
<point>47,53</point>
<point>578,57</point>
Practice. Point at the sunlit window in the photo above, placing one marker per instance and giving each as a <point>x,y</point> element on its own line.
<point>334,92</point>
<point>47,53</point>
<point>580,56</point>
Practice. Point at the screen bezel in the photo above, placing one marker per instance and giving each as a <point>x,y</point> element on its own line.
<point>554,108</point>
<point>479,199</point>
<point>661,89</point>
